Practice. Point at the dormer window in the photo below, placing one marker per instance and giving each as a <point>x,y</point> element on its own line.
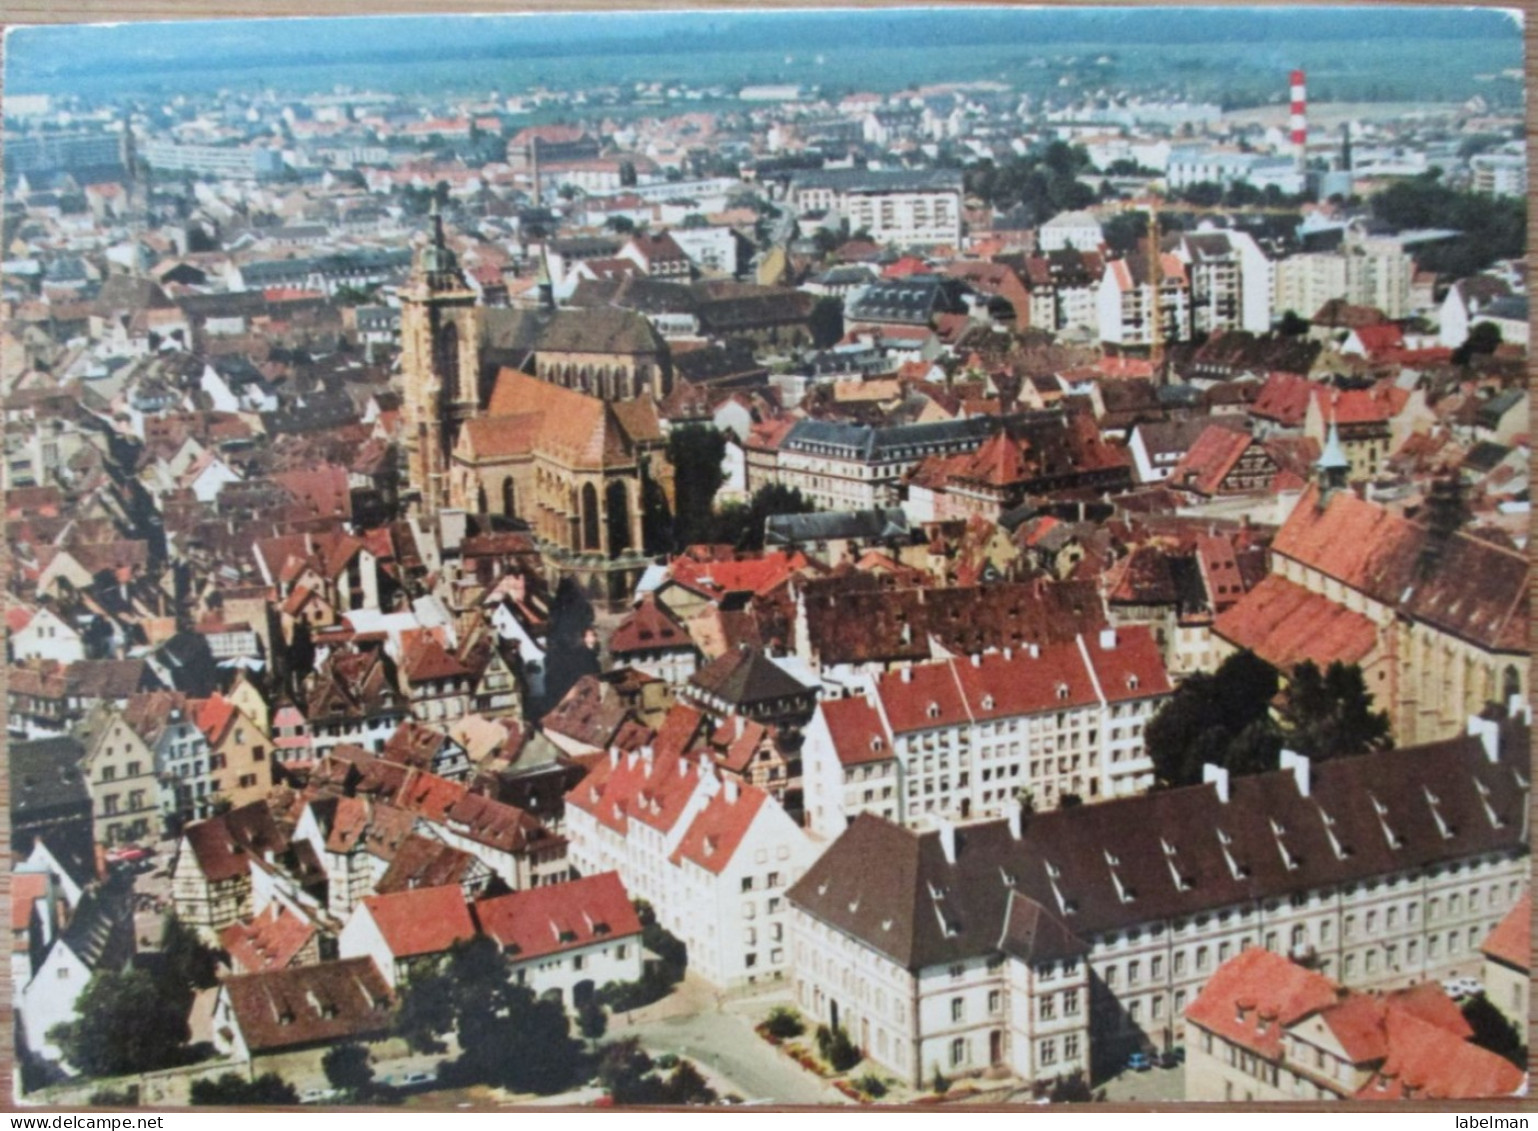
<point>987,702</point>
<point>1062,691</point>
<point>934,711</point>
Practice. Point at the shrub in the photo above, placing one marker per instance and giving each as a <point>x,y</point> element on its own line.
<point>784,1023</point>
<point>871,1085</point>
<point>843,1054</point>
<point>939,1085</point>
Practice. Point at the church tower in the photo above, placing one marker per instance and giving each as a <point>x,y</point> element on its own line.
<point>440,366</point>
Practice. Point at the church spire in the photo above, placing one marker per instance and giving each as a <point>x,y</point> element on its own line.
<point>1332,466</point>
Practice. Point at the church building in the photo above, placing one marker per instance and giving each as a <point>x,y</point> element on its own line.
<point>576,453</point>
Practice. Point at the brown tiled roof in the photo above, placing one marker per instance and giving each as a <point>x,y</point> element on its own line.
<point>650,627</point>
<point>270,941</point>
<point>893,889</point>
<point>309,1005</point>
<point>858,619</point>
<point>423,863</point>
<point>224,845</point>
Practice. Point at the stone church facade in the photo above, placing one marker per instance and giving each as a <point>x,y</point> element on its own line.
<point>576,453</point>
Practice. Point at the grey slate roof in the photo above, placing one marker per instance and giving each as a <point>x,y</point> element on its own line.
<point>879,523</point>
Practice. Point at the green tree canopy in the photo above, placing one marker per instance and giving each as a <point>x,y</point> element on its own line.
<point>1220,717</point>
<point>509,1038</point>
<point>231,1090</point>
<point>1330,713</point>
<point>348,1069</point>
<point>696,452</point>
<point>126,1023</point>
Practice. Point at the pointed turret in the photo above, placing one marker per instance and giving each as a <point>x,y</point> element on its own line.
<point>542,282</point>
<point>1332,466</point>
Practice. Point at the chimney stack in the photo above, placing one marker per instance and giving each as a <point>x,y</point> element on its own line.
<point>1488,731</point>
<point>1218,776</point>
<point>1016,814</point>
<point>947,837</point>
<point>1300,767</point>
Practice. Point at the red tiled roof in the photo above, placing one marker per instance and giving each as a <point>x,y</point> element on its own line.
<point>715,833</point>
<point>422,920</point>
<point>1208,462</point>
<point>1284,399</point>
<point>649,628</point>
<point>1436,1064</point>
<point>1376,405</point>
<point>857,732</point>
<point>26,889</point>
<point>1477,590</point>
<point>1269,986</point>
<point>304,1005</point>
<point>755,574</point>
<point>224,845</point>
<point>652,790</point>
<point>1512,940</point>
<point>560,917</point>
<point>1285,624</point>
<point>271,941</point>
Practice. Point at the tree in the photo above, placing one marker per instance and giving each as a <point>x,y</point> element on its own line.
<point>348,1069</point>
<point>126,1024</point>
<point>1070,1090</point>
<point>625,1071</point>
<point>1331,712</point>
<point>231,1090</point>
<point>509,1038</point>
<point>592,1020</point>
<point>627,176</point>
<point>784,1022</point>
<point>1222,717</point>
<point>826,321</point>
<point>425,1013</point>
<point>687,1086</point>
<point>1292,325</point>
<point>696,452</point>
<point>1483,339</point>
<point>187,963</point>
<point>622,225</point>
<point>1493,1032</point>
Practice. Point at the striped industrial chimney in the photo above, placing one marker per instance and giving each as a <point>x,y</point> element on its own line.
<point>1299,123</point>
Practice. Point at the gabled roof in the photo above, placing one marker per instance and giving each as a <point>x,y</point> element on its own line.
<point>305,1005</point>
<point>1512,940</point>
<point>1474,589</point>
<point>1285,624</point>
<point>718,829</point>
<point>560,917</point>
<point>649,628</point>
<point>745,676</point>
<point>223,846</point>
<point>270,941</point>
<point>421,921</point>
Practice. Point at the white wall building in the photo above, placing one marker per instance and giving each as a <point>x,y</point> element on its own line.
<point>713,857</point>
<point>965,737</point>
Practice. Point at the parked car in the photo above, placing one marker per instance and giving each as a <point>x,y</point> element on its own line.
<point>1172,1058</point>
<point>1463,987</point>
<point>318,1095</point>
<point>415,1079</point>
<point>128,854</point>
<point>1139,1062</point>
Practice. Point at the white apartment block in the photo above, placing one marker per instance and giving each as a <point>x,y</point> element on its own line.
<point>895,207</point>
<point>714,858</point>
<point>965,737</point>
<point>1378,871</point>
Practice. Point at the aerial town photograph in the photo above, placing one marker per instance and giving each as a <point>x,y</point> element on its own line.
<point>903,556</point>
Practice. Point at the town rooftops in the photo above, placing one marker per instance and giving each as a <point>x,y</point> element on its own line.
<point>1117,863</point>
<point>223,846</point>
<point>743,677</point>
<point>1412,1043</point>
